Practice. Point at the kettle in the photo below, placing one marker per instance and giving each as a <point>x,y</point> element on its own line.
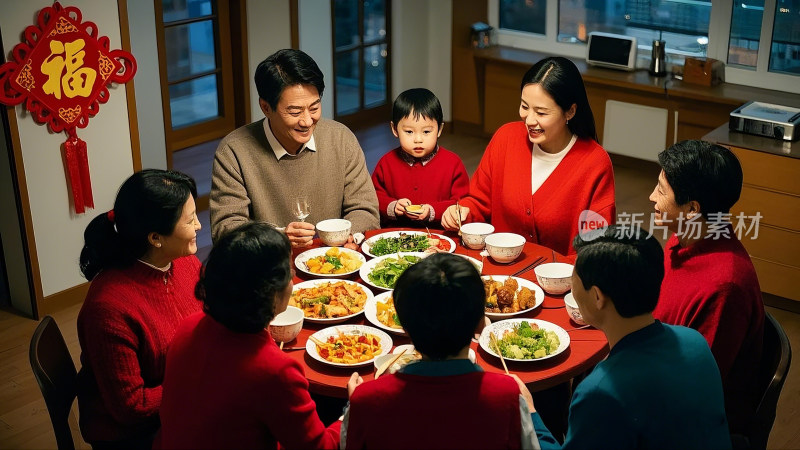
<point>658,59</point>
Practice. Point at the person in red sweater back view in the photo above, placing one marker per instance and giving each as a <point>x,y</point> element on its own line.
<point>417,181</point>
<point>544,177</point>
<point>710,283</point>
<point>443,401</point>
<point>140,260</point>
<point>227,384</point>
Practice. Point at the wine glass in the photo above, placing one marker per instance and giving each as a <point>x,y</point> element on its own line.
<point>301,208</point>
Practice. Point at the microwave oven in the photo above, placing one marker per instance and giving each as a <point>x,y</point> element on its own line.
<point>614,51</point>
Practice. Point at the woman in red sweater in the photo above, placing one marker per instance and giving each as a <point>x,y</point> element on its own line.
<point>140,260</point>
<point>228,385</point>
<point>545,177</point>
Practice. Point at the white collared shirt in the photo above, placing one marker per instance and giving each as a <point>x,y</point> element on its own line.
<point>279,150</point>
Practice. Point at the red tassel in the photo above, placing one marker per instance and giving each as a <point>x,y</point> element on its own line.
<point>78,172</point>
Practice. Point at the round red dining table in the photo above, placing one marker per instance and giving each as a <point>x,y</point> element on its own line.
<point>588,346</point>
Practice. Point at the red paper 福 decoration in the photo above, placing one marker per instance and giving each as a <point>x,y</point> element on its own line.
<point>62,71</point>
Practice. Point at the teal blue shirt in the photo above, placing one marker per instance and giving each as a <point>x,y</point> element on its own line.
<point>659,388</point>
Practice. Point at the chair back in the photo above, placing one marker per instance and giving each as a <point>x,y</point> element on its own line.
<point>55,372</point>
<point>775,361</point>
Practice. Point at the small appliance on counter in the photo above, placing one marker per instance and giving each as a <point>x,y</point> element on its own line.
<point>658,62</point>
<point>765,119</point>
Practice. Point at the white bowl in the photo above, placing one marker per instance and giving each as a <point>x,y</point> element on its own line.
<point>554,278</point>
<point>473,234</point>
<point>334,232</point>
<point>504,247</point>
<point>287,325</point>
<point>573,311</point>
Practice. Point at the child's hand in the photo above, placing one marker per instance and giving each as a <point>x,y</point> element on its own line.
<point>400,207</point>
<point>353,382</point>
<point>423,213</point>
<point>525,393</point>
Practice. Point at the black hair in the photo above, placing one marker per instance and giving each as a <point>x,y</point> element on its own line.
<point>284,68</point>
<point>562,80</point>
<point>245,270</point>
<point>148,201</point>
<point>440,301</point>
<point>421,103</point>
<point>707,173</point>
<point>625,263</point>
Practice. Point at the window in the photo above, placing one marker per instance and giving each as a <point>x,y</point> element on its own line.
<point>196,71</point>
<point>683,25</point>
<point>759,40</point>
<point>361,59</point>
<point>523,15</point>
<point>785,53</point>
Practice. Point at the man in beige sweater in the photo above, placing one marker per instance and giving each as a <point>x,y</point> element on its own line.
<point>262,168</point>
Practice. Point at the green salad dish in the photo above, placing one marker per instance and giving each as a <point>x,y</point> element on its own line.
<point>384,272</point>
<point>525,339</point>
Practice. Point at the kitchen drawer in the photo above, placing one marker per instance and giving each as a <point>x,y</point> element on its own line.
<point>780,173</point>
<point>778,279</point>
<point>780,210</point>
<point>773,244</point>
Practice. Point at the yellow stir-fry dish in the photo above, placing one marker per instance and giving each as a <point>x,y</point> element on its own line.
<point>507,297</point>
<point>329,300</point>
<point>350,348</point>
<point>386,313</point>
<point>333,261</point>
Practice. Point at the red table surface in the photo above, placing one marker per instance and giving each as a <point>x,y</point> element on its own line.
<point>587,346</point>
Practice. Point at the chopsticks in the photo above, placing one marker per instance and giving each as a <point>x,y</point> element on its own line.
<point>458,216</point>
<point>493,342</point>
<point>530,266</point>
<point>316,341</point>
<point>388,364</point>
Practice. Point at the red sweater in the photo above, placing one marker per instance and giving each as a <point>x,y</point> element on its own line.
<point>476,410</point>
<point>225,389</point>
<point>124,327</point>
<point>500,190</point>
<point>712,287</point>
<point>439,183</point>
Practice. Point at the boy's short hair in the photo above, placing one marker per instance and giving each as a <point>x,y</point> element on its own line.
<point>626,264</point>
<point>419,102</point>
<point>708,173</point>
<point>440,301</point>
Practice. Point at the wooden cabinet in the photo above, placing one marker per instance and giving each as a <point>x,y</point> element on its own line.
<point>692,111</point>
<point>771,189</point>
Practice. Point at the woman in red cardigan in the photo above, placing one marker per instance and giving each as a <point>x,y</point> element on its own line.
<point>545,177</point>
<point>140,260</point>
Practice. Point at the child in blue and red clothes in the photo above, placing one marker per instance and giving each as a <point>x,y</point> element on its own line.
<point>444,400</point>
<point>417,181</point>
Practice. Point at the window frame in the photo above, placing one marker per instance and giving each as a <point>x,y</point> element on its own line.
<point>718,37</point>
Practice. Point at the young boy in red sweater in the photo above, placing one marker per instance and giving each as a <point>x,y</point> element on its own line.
<point>444,400</point>
<point>417,181</point>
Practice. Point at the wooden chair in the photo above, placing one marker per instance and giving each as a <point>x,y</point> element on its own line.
<point>55,372</point>
<point>775,361</point>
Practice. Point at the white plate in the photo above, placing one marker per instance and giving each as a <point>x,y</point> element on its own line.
<point>537,292</point>
<point>367,245</point>
<point>300,261</point>
<point>371,312</point>
<point>478,265</point>
<point>500,327</point>
<point>313,283</point>
<point>322,335</point>
<point>368,266</point>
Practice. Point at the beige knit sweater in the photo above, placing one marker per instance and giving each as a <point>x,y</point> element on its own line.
<point>249,183</point>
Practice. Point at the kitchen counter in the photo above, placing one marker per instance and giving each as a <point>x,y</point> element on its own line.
<point>723,135</point>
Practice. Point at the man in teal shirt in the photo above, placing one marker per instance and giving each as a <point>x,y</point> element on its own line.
<point>660,386</point>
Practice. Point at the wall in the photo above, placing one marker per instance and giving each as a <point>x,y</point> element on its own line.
<point>59,232</point>
<point>268,30</point>
<point>422,52</point>
<point>316,40</point>
<point>149,110</point>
